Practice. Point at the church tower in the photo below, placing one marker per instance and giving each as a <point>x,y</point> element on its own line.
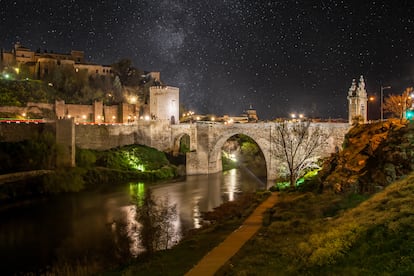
<point>357,101</point>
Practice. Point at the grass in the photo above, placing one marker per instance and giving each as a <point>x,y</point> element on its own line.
<point>332,235</point>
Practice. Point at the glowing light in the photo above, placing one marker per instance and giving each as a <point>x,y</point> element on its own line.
<point>24,114</point>
<point>17,70</point>
<point>50,84</point>
<point>84,117</point>
<point>409,114</point>
<point>147,118</point>
<point>133,99</point>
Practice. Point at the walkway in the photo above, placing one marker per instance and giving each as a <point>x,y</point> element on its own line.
<point>216,258</point>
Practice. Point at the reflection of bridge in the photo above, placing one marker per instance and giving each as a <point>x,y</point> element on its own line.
<point>206,139</point>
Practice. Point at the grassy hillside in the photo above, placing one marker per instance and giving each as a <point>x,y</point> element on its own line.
<point>328,235</point>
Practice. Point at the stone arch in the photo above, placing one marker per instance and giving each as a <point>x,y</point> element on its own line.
<point>214,156</point>
<point>177,142</point>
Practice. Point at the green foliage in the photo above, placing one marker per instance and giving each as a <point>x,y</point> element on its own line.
<point>85,158</point>
<point>64,181</point>
<point>133,157</point>
<point>228,163</point>
<point>37,153</point>
<point>124,164</point>
<point>19,93</point>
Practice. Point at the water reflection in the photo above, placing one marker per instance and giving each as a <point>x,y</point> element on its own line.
<point>101,226</point>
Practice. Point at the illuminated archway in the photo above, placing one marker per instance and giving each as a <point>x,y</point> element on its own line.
<point>215,155</point>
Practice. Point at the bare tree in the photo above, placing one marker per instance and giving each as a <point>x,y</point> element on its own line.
<point>156,218</point>
<point>296,147</point>
<point>396,105</point>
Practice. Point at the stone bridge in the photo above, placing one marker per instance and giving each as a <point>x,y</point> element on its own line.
<point>207,140</point>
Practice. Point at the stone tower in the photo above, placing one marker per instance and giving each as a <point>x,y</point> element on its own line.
<point>357,101</point>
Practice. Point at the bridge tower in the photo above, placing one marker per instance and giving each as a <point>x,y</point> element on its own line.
<point>357,101</point>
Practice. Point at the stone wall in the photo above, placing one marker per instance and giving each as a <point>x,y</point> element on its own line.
<point>80,113</point>
<point>31,109</point>
<point>65,139</point>
<point>103,137</point>
<point>16,132</point>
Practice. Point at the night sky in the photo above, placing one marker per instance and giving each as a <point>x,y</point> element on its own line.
<point>278,56</point>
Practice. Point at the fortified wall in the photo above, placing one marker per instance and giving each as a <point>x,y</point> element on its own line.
<point>16,132</point>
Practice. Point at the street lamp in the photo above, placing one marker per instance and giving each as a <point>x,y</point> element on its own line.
<point>382,100</point>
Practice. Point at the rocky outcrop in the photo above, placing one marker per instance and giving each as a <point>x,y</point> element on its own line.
<point>373,156</point>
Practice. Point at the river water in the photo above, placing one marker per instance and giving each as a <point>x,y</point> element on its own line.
<point>99,228</point>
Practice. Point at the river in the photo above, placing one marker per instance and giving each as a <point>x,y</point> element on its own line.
<point>98,229</point>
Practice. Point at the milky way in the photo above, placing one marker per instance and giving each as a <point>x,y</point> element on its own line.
<point>278,56</point>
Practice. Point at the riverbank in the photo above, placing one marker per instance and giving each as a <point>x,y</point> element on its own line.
<point>328,234</point>
<point>20,176</point>
<point>196,243</point>
<point>21,181</point>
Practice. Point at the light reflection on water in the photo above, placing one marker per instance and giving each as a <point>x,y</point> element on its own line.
<point>102,225</point>
<point>192,197</point>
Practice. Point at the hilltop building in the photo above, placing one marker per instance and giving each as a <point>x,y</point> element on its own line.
<point>357,101</point>
<point>39,64</point>
<point>163,101</point>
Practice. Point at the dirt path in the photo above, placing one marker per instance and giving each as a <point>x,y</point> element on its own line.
<point>216,258</point>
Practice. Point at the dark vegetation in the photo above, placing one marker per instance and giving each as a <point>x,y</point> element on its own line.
<point>34,154</point>
<point>94,168</point>
<point>19,93</point>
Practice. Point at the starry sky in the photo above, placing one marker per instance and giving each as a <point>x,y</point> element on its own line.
<point>278,56</point>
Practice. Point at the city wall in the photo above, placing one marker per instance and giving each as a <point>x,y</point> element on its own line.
<point>94,113</point>
<point>16,132</point>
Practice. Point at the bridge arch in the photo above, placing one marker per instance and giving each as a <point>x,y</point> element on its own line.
<point>215,154</point>
<point>180,141</point>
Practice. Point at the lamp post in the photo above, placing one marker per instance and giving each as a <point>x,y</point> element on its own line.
<point>382,100</point>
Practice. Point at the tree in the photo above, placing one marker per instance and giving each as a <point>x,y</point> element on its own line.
<point>128,75</point>
<point>396,105</point>
<point>296,147</point>
<point>156,218</point>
